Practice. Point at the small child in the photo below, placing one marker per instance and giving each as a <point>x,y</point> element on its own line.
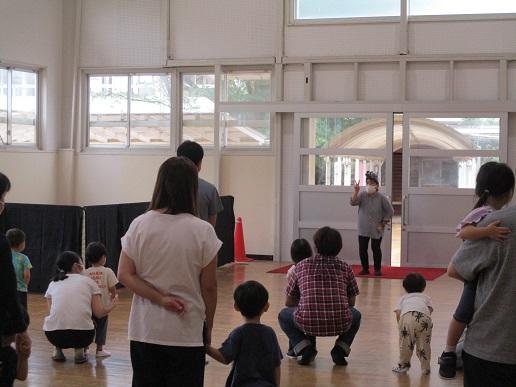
<point>414,323</point>
<point>494,189</point>
<point>253,347</point>
<point>299,250</point>
<point>106,280</point>
<point>21,263</point>
<point>14,363</point>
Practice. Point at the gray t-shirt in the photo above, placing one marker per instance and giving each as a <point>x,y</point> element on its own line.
<point>491,333</point>
<point>208,200</point>
<point>372,211</point>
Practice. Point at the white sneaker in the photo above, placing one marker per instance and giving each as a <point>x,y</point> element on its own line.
<point>103,353</point>
<point>401,369</point>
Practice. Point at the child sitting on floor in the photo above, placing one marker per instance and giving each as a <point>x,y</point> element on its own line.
<point>414,323</point>
<point>253,347</point>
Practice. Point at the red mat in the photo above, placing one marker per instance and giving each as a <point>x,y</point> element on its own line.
<point>388,272</point>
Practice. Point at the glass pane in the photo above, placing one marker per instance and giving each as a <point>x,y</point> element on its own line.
<point>343,132</point>
<point>24,107</point>
<point>455,133</point>
<point>246,129</point>
<point>458,7</point>
<point>455,172</point>
<point>328,9</point>
<point>339,170</point>
<point>150,110</point>
<point>198,108</point>
<point>247,87</point>
<point>3,106</point>
<point>108,110</point>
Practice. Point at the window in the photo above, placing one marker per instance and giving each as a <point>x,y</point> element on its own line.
<point>338,9</point>
<point>460,7</point>
<point>198,109</point>
<point>18,106</point>
<point>129,110</point>
<point>245,129</point>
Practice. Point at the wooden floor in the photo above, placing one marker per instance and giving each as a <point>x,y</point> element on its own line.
<point>374,351</point>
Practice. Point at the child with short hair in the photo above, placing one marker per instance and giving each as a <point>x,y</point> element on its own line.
<point>96,254</point>
<point>299,250</point>
<point>21,263</point>
<point>253,347</point>
<point>415,325</point>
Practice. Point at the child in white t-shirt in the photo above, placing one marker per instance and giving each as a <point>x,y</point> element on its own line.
<point>414,323</point>
<point>96,254</point>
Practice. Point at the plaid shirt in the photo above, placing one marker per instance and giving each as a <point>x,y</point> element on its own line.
<point>323,286</point>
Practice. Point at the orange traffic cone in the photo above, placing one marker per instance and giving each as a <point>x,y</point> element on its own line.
<point>240,256</point>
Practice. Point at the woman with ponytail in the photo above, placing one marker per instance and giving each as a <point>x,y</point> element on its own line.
<point>72,299</point>
<point>494,189</point>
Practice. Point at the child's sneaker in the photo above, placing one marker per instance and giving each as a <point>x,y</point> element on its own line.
<point>80,356</point>
<point>58,355</point>
<point>401,368</point>
<point>103,354</point>
<point>291,354</point>
<point>448,365</point>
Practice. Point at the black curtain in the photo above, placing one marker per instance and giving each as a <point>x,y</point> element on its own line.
<point>225,229</point>
<point>50,230</point>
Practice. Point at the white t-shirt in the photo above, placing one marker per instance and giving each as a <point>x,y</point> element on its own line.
<point>104,278</point>
<point>71,303</point>
<point>415,302</point>
<point>169,252</point>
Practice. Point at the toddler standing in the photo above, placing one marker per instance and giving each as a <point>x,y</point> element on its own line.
<point>414,323</point>
<point>21,263</point>
<point>106,280</point>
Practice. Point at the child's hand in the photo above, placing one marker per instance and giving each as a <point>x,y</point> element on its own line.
<point>356,186</point>
<point>497,233</point>
<point>173,304</point>
<point>23,344</point>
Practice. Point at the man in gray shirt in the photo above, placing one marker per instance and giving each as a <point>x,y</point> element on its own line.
<point>489,354</point>
<point>208,200</point>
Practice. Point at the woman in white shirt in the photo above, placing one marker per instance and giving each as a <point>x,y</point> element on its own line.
<point>168,260</point>
<point>72,299</point>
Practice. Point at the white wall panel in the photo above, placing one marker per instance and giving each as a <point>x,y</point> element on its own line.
<point>378,82</point>
<point>427,81</point>
<point>202,29</point>
<point>294,83</point>
<point>461,37</point>
<point>476,81</point>
<point>333,82</point>
<point>511,79</point>
<point>122,33</point>
<point>250,179</point>
<point>341,40</point>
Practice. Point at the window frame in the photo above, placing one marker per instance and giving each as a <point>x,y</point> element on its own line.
<point>293,21</point>
<point>165,149</point>
<point>37,121</point>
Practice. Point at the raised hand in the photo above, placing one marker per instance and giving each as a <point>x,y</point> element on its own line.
<point>498,233</point>
<point>356,186</point>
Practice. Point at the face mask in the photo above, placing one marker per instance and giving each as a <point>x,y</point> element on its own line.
<point>370,189</point>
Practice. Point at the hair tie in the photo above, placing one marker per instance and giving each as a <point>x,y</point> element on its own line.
<point>486,191</point>
<point>61,271</point>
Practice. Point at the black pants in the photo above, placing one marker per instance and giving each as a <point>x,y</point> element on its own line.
<point>482,373</point>
<point>166,366</point>
<point>70,338</point>
<point>100,330</point>
<point>22,296</point>
<point>363,244</point>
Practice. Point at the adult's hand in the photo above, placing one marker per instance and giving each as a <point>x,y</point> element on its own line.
<point>356,186</point>
<point>173,304</point>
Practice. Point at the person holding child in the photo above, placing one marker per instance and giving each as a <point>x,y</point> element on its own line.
<point>106,280</point>
<point>13,318</point>
<point>72,300</point>
<point>21,262</point>
<point>253,347</point>
<point>414,323</point>
<point>169,261</point>
<point>374,213</point>
<point>321,295</point>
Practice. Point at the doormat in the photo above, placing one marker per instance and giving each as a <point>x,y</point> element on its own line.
<point>388,272</point>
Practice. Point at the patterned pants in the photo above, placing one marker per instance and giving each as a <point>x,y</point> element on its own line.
<point>415,331</point>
